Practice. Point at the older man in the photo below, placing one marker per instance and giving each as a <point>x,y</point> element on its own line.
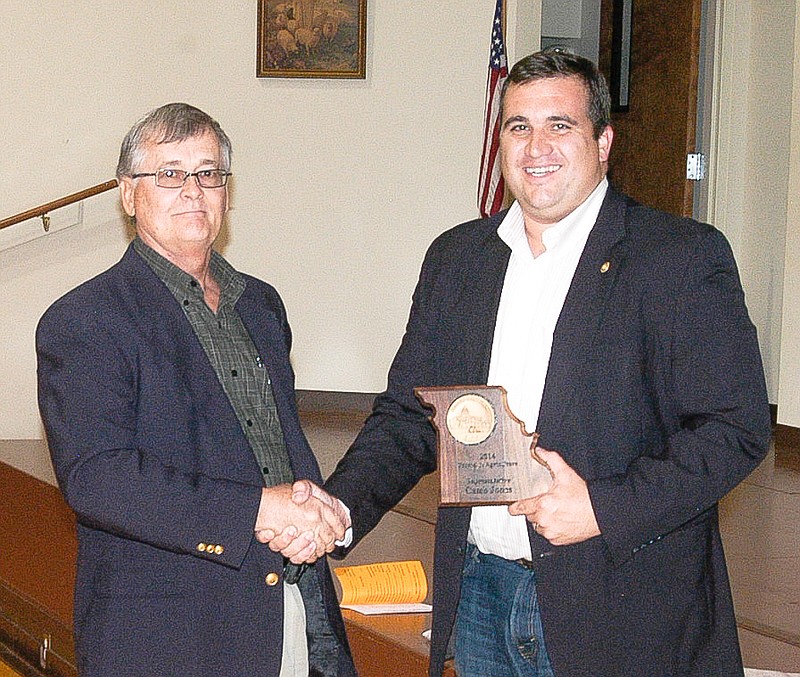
<point>168,400</point>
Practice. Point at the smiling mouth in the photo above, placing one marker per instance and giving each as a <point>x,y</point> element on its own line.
<point>542,171</point>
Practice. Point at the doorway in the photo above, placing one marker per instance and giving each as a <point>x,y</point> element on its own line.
<point>666,113</point>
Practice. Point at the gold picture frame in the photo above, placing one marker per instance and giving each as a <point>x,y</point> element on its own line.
<point>312,39</point>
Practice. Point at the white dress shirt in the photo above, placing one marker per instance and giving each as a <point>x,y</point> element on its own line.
<point>533,295</point>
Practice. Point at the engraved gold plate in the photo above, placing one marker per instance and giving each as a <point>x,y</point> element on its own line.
<point>471,419</point>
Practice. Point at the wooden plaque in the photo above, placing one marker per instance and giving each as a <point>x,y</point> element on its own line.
<point>485,454</point>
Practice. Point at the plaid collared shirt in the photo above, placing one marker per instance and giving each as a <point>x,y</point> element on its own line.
<point>232,354</point>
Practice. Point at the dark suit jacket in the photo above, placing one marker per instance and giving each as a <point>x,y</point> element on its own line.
<point>149,453</point>
<point>654,394</point>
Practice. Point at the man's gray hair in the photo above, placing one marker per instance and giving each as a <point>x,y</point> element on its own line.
<point>170,123</point>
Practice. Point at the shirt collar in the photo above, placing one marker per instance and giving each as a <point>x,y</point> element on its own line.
<point>577,223</point>
<point>180,283</point>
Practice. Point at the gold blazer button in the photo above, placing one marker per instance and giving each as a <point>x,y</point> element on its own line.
<point>201,547</point>
<point>271,579</point>
<point>218,549</point>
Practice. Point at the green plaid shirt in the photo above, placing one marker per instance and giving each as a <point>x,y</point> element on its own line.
<point>232,354</point>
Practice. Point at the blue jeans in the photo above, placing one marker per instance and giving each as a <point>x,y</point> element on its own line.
<point>498,629</point>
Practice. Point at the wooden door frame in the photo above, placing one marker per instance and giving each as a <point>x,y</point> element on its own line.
<point>727,117</point>
<point>706,99</point>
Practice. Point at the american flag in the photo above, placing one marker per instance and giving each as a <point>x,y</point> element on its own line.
<point>490,184</point>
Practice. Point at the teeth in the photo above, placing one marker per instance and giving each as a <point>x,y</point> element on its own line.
<point>541,171</point>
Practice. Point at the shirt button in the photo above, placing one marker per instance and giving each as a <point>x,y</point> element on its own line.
<point>234,372</point>
<point>249,422</point>
<point>271,579</point>
<point>186,302</point>
<point>265,470</point>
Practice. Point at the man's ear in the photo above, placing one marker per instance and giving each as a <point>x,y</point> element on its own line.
<point>126,195</point>
<point>604,143</point>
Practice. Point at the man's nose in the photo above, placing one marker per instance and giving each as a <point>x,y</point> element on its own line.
<point>539,143</point>
<point>191,186</point>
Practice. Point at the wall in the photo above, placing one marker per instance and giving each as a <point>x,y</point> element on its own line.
<point>789,393</point>
<point>769,164</point>
<point>31,277</point>
<point>751,158</point>
<point>339,185</point>
<point>574,24</point>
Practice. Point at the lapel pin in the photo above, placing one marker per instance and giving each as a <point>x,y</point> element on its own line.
<point>604,268</point>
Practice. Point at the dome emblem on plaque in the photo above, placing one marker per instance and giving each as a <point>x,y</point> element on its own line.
<point>471,419</point>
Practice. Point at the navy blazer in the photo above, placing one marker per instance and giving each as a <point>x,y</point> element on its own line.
<point>654,394</point>
<point>150,455</point>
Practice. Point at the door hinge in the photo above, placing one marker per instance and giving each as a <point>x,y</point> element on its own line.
<point>695,167</point>
<point>44,647</point>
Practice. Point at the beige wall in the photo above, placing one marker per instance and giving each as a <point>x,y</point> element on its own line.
<point>789,392</point>
<point>339,185</point>
<point>757,177</point>
<point>751,158</point>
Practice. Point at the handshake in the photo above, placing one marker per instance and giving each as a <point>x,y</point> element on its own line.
<point>301,521</point>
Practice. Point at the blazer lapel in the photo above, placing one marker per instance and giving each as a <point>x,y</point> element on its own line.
<point>583,310</point>
<point>482,299</point>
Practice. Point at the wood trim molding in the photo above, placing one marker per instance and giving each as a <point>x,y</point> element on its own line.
<point>787,436</point>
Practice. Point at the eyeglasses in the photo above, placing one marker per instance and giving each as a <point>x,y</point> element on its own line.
<point>175,178</point>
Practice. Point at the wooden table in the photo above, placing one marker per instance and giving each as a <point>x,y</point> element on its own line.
<point>37,573</point>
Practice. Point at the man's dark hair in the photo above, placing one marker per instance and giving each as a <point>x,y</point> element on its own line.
<point>557,63</point>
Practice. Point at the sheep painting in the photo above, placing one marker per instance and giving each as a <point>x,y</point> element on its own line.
<point>312,38</point>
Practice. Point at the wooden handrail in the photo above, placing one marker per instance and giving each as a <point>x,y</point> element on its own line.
<point>56,204</point>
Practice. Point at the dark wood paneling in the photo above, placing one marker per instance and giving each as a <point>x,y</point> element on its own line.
<point>652,138</point>
<point>37,571</point>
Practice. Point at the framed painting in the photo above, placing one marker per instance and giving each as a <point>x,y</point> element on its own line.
<point>312,39</point>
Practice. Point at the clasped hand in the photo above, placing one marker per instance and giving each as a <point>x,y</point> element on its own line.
<point>301,521</point>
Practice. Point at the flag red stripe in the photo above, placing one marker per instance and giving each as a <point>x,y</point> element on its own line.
<point>490,181</point>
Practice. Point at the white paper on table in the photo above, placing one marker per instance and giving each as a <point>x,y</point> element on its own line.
<point>376,609</point>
